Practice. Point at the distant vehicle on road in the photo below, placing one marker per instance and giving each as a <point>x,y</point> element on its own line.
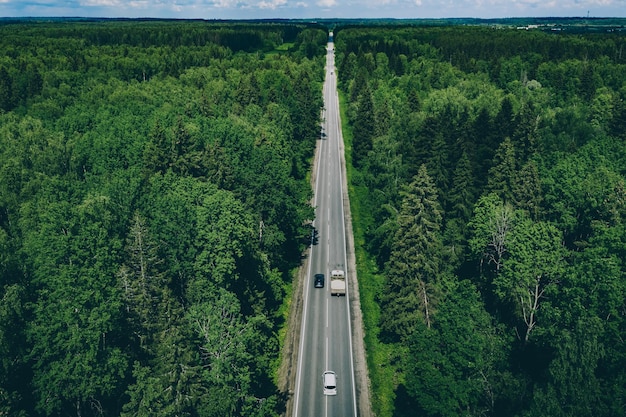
<point>337,282</point>
<point>330,383</point>
<point>319,281</point>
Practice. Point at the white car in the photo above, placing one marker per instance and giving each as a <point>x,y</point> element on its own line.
<point>330,383</point>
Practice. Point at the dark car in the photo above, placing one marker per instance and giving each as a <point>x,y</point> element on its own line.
<point>319,280</point>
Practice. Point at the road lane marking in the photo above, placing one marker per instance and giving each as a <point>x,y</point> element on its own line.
<point>327,313</point>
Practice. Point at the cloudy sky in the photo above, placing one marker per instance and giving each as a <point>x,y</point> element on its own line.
<point>247,9</point>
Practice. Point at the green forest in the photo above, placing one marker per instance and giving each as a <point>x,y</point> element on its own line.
<point>154,203</point>
<point>489,197</point>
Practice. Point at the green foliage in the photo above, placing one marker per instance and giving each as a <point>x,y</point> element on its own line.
<point>140,195</point>
<point>534,266</point>
<point>364,127</point>
<point>414,264</point>
<point>454,367</point>
<point>573,388</point>
<point>503,172</point>
<point>491,227</point>
<point>77,311</point>
<point>521,132</point>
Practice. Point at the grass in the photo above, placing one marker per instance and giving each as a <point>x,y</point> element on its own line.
<point>283,312</point>
<point>280,49</point>
<point>383,375</point>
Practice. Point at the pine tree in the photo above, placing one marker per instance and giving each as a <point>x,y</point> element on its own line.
<point>462,194</point>
<point>414,263</point>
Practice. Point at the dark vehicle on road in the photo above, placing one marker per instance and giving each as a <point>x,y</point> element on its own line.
<point>319,281</point>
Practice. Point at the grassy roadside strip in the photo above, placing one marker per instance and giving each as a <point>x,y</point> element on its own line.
<point>383,375</point>
<point>282,332</point>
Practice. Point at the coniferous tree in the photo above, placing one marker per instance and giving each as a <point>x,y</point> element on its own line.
<point>364,127</point>
<point>6,90</point>
<point>159,154</point>
<point>169,380</point>
<point>142,284</point>
<point>461,198</point>
<point>503,122</point>
<point>503,172</point>
<point>485,138</point>
<point>459,202</point>
<point>414,264</point>
<point>617,125</point>
<point>414,101</point>
<point>526,132</point>
<point>414,140</point>
<point>527,193</point>
<point>437,163</point>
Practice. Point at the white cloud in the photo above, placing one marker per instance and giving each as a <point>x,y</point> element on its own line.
<point>222,4</point>
<point>327,3</point>
<point>101,3</point>
<point>272,4</point>
<point>235,9</point>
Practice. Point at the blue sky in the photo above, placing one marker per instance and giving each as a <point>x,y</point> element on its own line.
<point>248,9</point>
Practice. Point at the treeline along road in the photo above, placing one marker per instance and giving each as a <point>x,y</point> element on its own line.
<point>153,201</point>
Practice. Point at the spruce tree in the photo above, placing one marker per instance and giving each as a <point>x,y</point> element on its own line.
<point>438,162</point>
<point>459,203</point>
<point>527,190</point>
<point>414,263</point>
<point>503,171</point>
<point>364,128</point>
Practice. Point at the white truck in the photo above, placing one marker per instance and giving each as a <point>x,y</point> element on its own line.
<point>337,282</point>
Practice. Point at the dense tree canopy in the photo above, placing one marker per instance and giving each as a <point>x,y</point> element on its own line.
<point>521,136</point>
<point>153,202</point>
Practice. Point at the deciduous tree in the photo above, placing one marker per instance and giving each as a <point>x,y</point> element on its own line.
<point>535,265</point>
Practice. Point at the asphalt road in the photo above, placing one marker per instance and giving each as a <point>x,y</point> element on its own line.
<point>325,342</point>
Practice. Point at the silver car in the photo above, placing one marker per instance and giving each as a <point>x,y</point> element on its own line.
<point>330,383</point>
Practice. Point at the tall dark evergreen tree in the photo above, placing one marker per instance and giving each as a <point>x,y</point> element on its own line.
<point>6,90</point>
<point>527,193</point>
<point>504,121</point>
<point>617,124</point>
<point>503,172</point>
<point>438,164</point>
<point>459,205</point>
<point>159,154</point>
<point>142,285</point>
<point>525,132</point>
<point>364,127</point>
<point>482,145</point>
<point>414,265</point>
